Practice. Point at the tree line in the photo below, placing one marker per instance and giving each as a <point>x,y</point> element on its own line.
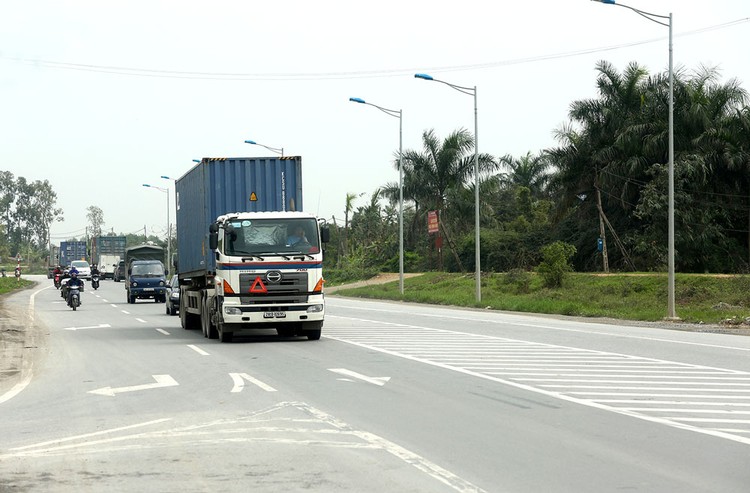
<point>602,189</point>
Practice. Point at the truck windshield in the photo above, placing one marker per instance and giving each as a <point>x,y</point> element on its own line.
<point>147,270</point>
<point>271,236</point>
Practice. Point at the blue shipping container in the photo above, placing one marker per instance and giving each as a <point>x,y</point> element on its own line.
<point>217,186</point>
<point>72,250</point>
<point>110,245</point>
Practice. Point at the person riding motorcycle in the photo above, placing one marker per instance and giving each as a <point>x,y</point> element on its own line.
<point>73,281</point>
<point>57,273</point>
<point>94,276</point>
<point>67,274</point>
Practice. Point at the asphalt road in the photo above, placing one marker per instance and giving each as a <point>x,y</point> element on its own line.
<point>394,397</point>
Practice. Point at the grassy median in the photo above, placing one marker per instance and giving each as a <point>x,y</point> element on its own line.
<point>699,298</point>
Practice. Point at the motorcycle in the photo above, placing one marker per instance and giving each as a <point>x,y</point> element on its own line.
<point>74,297</point>
<point>95,281</point>
<point>57,281</point>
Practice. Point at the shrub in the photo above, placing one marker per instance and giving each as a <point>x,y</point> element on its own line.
<point>556,263</point>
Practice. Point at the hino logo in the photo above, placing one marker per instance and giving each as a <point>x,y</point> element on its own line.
<point>273,276</point>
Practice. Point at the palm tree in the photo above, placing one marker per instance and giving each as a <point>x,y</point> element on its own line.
<point>528,171</point>
<point>348,209</point>
<point>442,166</point>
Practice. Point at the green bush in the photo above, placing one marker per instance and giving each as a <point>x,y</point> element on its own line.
<point>556,263</point>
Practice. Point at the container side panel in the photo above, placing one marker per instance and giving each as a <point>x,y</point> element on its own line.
<point>219,186</point>
<point>192,222</point>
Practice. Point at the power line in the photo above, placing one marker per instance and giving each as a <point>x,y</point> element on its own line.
<point>198,75</point>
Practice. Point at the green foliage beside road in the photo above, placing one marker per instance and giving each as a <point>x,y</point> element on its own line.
<point>643,297</point>
<point>10,283</point>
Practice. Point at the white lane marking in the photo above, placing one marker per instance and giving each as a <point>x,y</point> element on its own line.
<point>27,365</point>
<point>431,469</point>
<point>203,433</point>
<point>125,312</point>
<point>566,392</point>
<point>97,433</point>
<point>100,326</point>
<point>239,382</point>
<point>105,300</point>
<point>380,381</point>
<point>161,381</point>
<point>512,321</point>
<point>198,350</point>
<point>163,331</point>
<point>141,320</point>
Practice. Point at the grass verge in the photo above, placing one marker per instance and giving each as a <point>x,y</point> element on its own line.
<point>699,298</point>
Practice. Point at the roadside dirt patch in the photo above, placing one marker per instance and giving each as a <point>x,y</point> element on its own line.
<point>381,278</point>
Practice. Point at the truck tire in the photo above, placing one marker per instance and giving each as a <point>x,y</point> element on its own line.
<point>209,330</point>
<point>313,335</point>
<point>312,330</point>
<point>132,300</point>
<point>224,335</point>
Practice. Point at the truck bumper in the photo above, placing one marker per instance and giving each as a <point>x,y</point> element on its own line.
<point>148,293</point>
<point>273,314</point>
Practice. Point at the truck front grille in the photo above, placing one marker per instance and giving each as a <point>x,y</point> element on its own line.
<point>291,288</point>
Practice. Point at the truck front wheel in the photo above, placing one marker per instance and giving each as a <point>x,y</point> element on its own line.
<point>312,330</point>
<point>224,334</point>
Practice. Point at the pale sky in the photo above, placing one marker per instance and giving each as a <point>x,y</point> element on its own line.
<point>100,97</point>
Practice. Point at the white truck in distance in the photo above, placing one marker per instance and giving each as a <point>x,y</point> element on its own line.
<point>268,275</point>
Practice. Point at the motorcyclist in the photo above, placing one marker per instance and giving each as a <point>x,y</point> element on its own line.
<point>73,281</point>
<point>67,274</point>
<point>94,270</point>
<point>57,272</point>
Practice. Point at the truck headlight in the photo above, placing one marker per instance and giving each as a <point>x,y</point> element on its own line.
<point>134,284</point>
<point>314,308</point>
<point>230,310</point>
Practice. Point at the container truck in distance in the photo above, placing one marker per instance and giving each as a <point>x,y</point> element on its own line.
<point>246,258</point>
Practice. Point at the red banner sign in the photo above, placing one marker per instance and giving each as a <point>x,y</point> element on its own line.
<point>432,222</point>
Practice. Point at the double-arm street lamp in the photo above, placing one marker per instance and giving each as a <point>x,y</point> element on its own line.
<point>165,190</point>
<point>277,150</point>
<point>665,20</point>
<point>471,91</point>
<point>397,114</point>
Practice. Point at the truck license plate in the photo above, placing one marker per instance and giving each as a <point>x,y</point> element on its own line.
<point>148,289</point>
<point>274,314</point>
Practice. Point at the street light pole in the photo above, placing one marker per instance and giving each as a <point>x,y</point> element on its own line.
<point>398,114</point>
<point>170,264</point>
<point>671,313</point>
<point>277,150</point>
<point>165,190</point>
<point>472,91</point>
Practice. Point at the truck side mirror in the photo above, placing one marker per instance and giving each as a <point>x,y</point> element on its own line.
<point>325,234</point>
<point>213,236</point>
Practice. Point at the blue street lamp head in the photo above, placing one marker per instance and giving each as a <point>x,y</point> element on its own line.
<point>251,142</point>
<point>423,76</point>
<point>146,185</point>
<point>165,177</point>
<point>357,100</point>
<point>611,2</point>
<point>196,160</point>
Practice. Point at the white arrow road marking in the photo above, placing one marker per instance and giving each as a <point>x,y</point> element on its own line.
<point>375,380</point>
<point>161,381</point>
<point>239,382</point>
<point>100,326</point>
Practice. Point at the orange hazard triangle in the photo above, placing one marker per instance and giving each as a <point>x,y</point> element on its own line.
<point>258,286</point>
